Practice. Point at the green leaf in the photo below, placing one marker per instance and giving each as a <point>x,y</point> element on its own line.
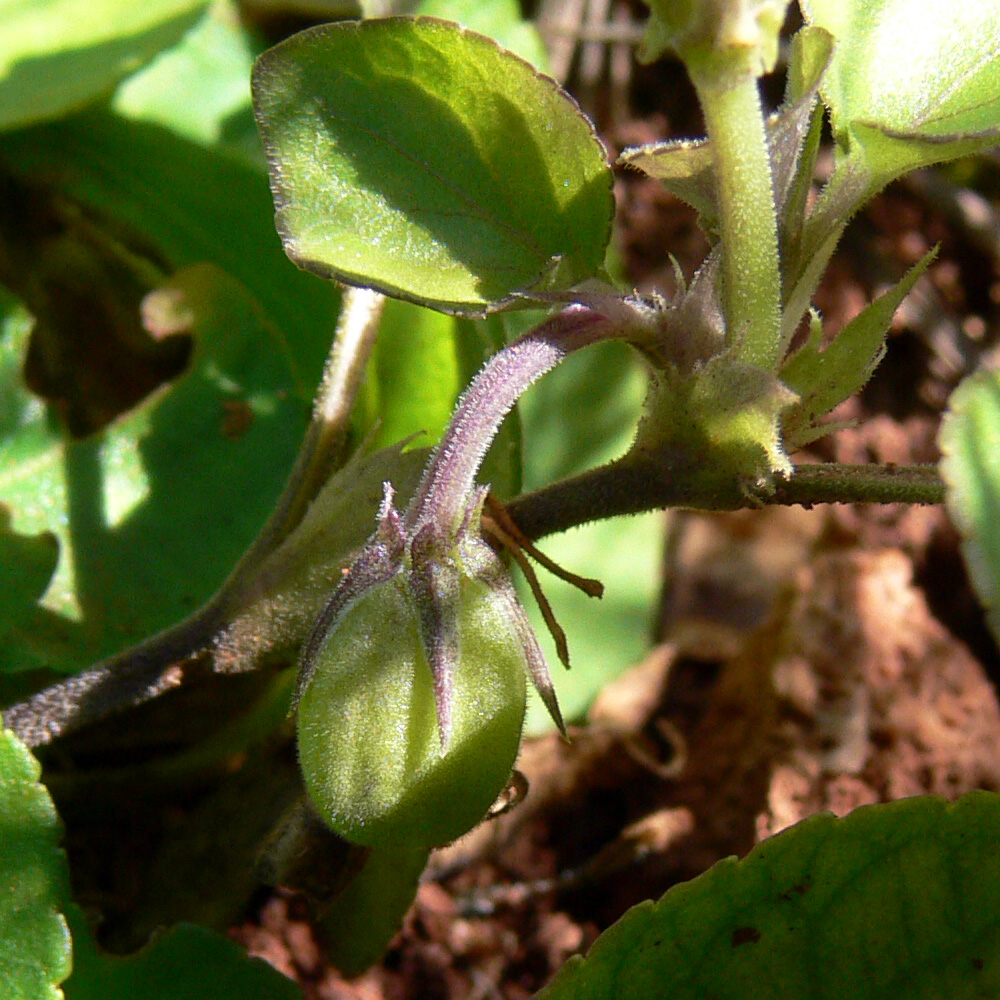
<point>200,88</point>
<point>192,204</point>
<point>970,466</point>
<point>414,375</point>
<point>60,55</point>
<point>825,378</point>
<point>27,563</point>
<point>153,512</point>
<point>419,158</point>
<point>896,900</point>
<point>579,416</point>
<point>912,82</point>
<point>183,963</point>
<point>35,953</point>
<point>501,20</point>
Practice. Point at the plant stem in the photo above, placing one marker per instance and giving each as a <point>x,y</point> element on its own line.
<point>633,488</point>
<point>447,484</point>
<point>322,447</point>
<point>751,282</point>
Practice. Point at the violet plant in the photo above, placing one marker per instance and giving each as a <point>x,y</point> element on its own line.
<point>412,158</point>
<point>442,170</point>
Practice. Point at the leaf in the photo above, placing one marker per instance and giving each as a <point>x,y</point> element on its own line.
<point>912,82</point>
<point>824,379</point>
<point>200,88</point>
<point>420,159</point>
<point>27,563</point>
<point>192,204</point>
<point>153,512</point>
<point>414,375</point>
<point>58,56</point>
<point>895,900</point>
<point>501,20</point>
<point>35,953</point>
<point>183,963</point>
<point>970,466</point>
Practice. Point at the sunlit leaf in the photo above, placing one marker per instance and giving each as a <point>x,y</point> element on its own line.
<point>912,82</point>
<point>152,513</point>
<point>419,158</point>
<point>58,56</point>
<point>200,87</point>
<point>192,204</point>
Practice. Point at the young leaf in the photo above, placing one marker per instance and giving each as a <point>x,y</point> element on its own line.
<point>57,56</point>
<point>912,82</point>
<point>894,900</point>
<point>823,379</point>
<point>970,446</point>
<point>421,159</point>
<point>35,953</point>
<point>685,166</point>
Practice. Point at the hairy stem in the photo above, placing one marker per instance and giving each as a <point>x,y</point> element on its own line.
<point>446,487</point>
<point>751,282</point>
<point>322,449</point>
<point>632,488</point>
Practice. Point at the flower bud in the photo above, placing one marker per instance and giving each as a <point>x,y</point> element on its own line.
<point>374,759</point>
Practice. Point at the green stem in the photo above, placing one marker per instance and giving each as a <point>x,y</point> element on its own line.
<point>632,487</point>
<point>751,283</point>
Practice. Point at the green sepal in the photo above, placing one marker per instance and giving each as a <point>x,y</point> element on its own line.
<point>370,747</point>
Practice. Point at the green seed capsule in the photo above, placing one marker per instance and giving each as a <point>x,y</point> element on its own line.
<point>369,743</point>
